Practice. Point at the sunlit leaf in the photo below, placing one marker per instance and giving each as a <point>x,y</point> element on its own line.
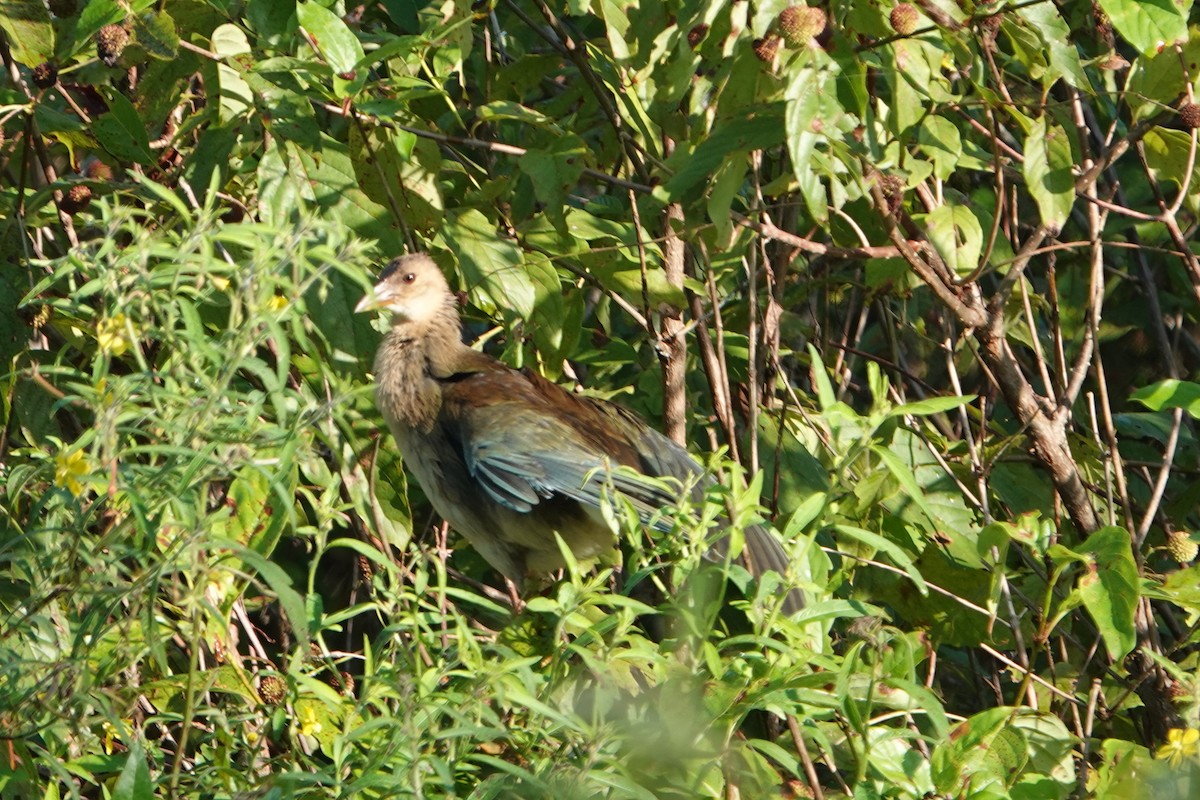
<point>1109,588</point>
<point>1048,171</point>
<point>1151,25</point>
<point>29,33</point>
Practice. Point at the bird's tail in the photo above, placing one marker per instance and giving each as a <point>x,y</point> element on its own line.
<point>763,552</point>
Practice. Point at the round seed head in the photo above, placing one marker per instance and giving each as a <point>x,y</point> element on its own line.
<point>110,42</point>
<point>904,18</point>
<point>767,48</point>
<point>1189,115</point>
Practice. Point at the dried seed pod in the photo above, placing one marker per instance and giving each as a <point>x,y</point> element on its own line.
<point>77,198</point>
<point>767,48</point>
<point>1189,115</point>
<point>110,42</point>
<point>45,75</point>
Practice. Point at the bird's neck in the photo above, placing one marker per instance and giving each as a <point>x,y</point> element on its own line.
<point>410,362</point>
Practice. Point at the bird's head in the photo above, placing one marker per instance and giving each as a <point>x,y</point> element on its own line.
<point>412,288</point>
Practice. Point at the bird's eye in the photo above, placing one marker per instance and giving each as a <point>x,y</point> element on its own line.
<point>409,277</point>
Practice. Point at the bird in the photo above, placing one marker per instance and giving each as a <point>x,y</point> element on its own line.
<point>509,458</point>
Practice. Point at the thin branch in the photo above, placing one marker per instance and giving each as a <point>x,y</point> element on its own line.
<point>599,90</point>
<point>482,144</point>
<point>768,230</point>
<point>1160,483</point>
<point>968,312</point>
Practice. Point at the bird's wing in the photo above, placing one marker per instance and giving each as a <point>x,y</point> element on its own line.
<point>524,439</point>
<point>520,456</point>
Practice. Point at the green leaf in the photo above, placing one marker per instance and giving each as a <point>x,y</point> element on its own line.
<point>962,760</point>
<point>798,480</point>
<point>155,32</point>
<point>957,235</point>
<point>1168,153</point>
<point>1157,81</point>
<point>94,15</point>
<point>809,112</point>
<point>292,177</point>
<point>827,610</point>
<point>509,110</point>
<point>272,19</point>
<point>826,396</point>
<point>51,120</point>
<point>940,140</point>
<point>554,171</point>
<point>282,190</point>
<point>756,129</point>
<point>905,476</point>
<point>1156,426</point>
<point>804,514</point>
<point>725,186</point>
<point>626,280</point>
<point>894,553</point>
<point>1149,25</point>
<point>931,405</point>
<point>286,113</point>
<point>1170,393</point>
<point>377,162</point>
<point>1181,587</point>
<point>1109,588</point>
<point>30,35</point>
<point>167,196</point>
<point>1049,746</point>
<point>121,132</point>
<point>134,781</point>
<point>1057,51</point>
<point>337,44</point>
<point>257,520</point>
<point>492,266</point>
<point>555,328</point>
<point>390,162</point>
<point>1048,164</point>
<point>927,702</point>
<point>235,95</point>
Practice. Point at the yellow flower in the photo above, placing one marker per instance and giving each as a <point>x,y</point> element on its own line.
<point>69,468</point>
<point>112,336</point>
<point>111,735</point>
<point>277,303</point>
<point>1181,743</point>
<point>309,724</point>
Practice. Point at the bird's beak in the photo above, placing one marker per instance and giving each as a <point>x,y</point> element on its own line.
<point>375,298</point>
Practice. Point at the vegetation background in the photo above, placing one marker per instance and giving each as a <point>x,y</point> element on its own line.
<point>922,275</point>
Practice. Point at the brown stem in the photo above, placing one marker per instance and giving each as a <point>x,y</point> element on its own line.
<point>1048,433</point>
<point>672,344</point>
<point>33,135</point>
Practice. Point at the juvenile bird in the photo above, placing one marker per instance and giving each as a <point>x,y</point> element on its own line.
<point>507,457</point>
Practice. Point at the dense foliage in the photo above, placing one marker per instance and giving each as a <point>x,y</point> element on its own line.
<point>920,276</point>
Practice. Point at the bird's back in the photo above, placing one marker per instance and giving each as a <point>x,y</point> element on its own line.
<point>531,444</point>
